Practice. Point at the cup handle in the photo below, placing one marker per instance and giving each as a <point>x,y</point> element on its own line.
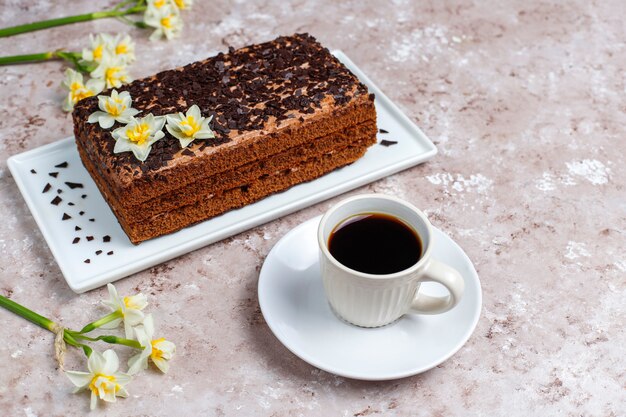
<point>448,277</point>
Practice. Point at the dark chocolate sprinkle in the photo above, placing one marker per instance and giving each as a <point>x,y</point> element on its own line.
<point>98,252</point>
<point>62,165</point>
<point>188,152</point>
<point>77,228</point>
<point>81,213</point>
<point>89,238</point>
<point>56,200</point>
<point>70,204</point>
<point>66,216</point>
<point>106,238</point>
<point>383,131</point>
<point>83,196</point>
<point>46,188</point>
<point>92,220</point>
<point>76,240</point>
<point>386,142</point>
<point>53,174</point>
<point>73,185</point>
<point>87,261</point>
<point>32,171</point>
<point>110,253</point>
<point>59,191</point>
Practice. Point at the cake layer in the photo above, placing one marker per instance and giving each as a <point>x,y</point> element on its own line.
<point>264,99</point>
<point>213,205</point>
<point>242,175</point>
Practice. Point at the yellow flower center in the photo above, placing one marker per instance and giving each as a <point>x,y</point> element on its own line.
<point>75,86</point>
<point>156,352</point>
<point>97,52</point>
<point>121,49</point>
<point>166,22</point>
<point>104,383</point>
<point>80,94</point>
<point>114,110</point>
<point>189,126</point>
<point>139,134</point>
<point>180,3</point>
<point>159,3</point>
<point>111,75</point>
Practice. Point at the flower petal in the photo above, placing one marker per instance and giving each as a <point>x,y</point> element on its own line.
<point>94,401</point>
<point>96,362</point>
<point>162,364</point>
<point>79,378</point>
<point>106,121</point>
<point>112,362</point>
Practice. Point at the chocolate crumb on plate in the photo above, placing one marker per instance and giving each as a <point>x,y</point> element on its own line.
<point>59,191</point>
<point>92,220</point>
<point>77,228</point>
<point>110,252</point>
<point>106,238</point>
<point>87,261</point>
<point>66,216</point>
<point>70,204</point>
<point>32,171</point>
<point>46,188</point>
<point>383,131</point>
<point>62,165</point>
<point>73,185</point>
<point>53,174</point>
<point>81,213</point>
<point>98,252</point>
<point>89,238</point>
<point>83,196</point>
<point>386,142</point>
<point>56,200</point>
<point>76,240</point>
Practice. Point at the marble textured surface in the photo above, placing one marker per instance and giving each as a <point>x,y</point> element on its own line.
<point>525,101</point>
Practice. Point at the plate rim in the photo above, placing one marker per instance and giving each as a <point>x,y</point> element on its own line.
<point>78,283</point>
<point>368,377</point>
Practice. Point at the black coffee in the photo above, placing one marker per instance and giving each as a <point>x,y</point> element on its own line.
<point>375,243</point>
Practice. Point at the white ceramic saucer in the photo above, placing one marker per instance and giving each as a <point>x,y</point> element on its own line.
<point>293,303</point>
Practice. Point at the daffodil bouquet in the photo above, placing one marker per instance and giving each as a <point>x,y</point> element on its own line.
<point>103,379</point>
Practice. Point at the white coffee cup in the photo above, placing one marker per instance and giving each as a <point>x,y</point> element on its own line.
<point>371,300</point>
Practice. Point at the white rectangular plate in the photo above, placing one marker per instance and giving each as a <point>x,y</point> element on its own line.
<point>120,258</point>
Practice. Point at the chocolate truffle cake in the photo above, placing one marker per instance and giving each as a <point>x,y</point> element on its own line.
<point>283,112</point>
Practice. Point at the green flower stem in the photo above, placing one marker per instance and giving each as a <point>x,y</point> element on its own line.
<point>29,315</point>
<point>45,24</point>
<point>16,59</point>
<point>117,314</point>
<point>68,337</point>
<point>110,339</point>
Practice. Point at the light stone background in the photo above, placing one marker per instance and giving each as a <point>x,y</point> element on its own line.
<point>525,101</point>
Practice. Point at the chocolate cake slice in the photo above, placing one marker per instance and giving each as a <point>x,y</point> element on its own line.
<point>284,112</point>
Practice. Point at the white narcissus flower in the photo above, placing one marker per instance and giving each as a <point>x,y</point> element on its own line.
<point>112,70</point>
<point>130,308</point>
<point>189,126</point>
<point>79,90</point>
<point>116,108</point>
<point>103,380</point>
<point>157,4</point>
<point>100,43</point>
<point>124,47</point>
<point>165,20</point>
<point>138,136</point>
<point>159,351</point>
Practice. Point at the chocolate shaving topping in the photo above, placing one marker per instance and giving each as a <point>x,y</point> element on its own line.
<point>53,174</point>
<point>66,216</point>
<point>73,185</point>
<point>76,240</point>
<point>383,131</point>
<point>89,238</point>
<point>56,200</point>
<point>46,188</point>
<point>243,90</point>
<point>106,238</point>
<point>61,165</point>
<point>386,142</point>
